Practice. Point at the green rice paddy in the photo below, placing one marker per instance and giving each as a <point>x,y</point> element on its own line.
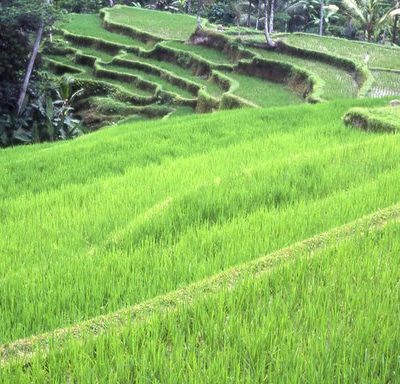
<point>242,246</point>
<point>132,212</point>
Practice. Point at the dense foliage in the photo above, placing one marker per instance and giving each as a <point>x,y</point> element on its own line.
<point>38,116</point>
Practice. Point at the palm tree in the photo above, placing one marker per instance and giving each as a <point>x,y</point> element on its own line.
<point>371,14</point>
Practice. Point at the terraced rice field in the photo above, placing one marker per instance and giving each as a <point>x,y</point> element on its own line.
<point>243,246</point>
<point>213,55</point>
<point>123,222</point>
<point>167,26</point>
<point>373,55</point>
<point>386,84</point>
<point>91,26</point>
<point>254,90</point>
<point>182,75</point>
<point>338,83</point>
<point>384,119</point>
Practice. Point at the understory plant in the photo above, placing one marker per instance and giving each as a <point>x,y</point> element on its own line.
<point>46,115</point>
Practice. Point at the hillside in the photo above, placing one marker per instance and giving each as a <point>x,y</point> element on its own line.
<point>131,65</point>
<point>236,219</point>
<point>138,211</point>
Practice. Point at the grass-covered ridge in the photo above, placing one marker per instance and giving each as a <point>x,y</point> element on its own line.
<point>386,119</point>
<point>160,24</point>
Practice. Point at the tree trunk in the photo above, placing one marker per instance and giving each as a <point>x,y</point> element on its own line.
<point>394,34</point>
<point>199,8</point>
<point>189,6</point>
<point>29,69</point>
<point>369,34</point>
<point>111,2</point>
<point>270,42</point>
<point>321,18</point>
<point>249,15</point>
<point>272,17</point>
<point>258,14</point>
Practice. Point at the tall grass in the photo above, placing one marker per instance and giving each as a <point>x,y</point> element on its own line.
<point>128,213</point>
<point>330,318</point>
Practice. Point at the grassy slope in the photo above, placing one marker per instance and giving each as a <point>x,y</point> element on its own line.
<point>338,83</point>
<point>210,54</point>
<point>373,55</point>
<point>185,192</point>
<point>319,308</point>
<point>263,93</point>
<point>90,25</point>
<point>167,25</point>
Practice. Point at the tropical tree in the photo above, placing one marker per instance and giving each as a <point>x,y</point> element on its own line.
<point>271,43</point>
<point>314,12</point>
<point>370,14</point>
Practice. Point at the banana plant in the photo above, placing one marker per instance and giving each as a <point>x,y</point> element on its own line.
<point>64,124</point>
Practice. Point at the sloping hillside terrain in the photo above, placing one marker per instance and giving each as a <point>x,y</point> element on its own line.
<point>115,227</point>
<point>257,243</point>
<point>131,66</point>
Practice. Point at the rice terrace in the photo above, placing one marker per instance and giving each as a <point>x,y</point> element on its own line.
<point>199,191</point>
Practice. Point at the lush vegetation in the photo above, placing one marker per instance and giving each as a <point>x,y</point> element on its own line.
<point>188,73</point>
<point>385,119</point>
<point>319,309</point>
<point>257,243</point>
<point>189,192</point>
<point>173,59</point>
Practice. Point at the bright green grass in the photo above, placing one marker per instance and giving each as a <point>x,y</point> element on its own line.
<point>263,93</point>
<point>186,74</point>
<point>67,60</point>
<point>328,318</point>
<point>135,211</point>
<point>338,83</point>
<point>210,54</point>
<point>90,25</point>
<point>103,56</point>
<point>386,84</point>
<point>385,119</point>
<point>87,73</point>
<point>373,55</point>
<point>167,86</point>
<point>160,24</point>
<point>182,111</point>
